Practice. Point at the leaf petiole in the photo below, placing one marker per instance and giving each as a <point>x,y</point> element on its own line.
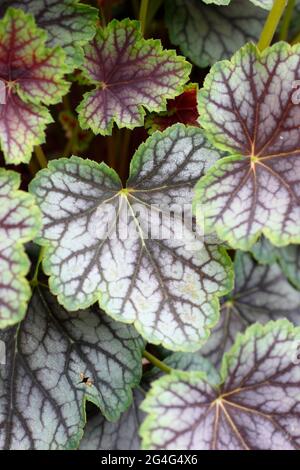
<point>143,15</point>
<point>40,156</point>
<point>271,24</point>
<point>286,20</point>
<point>34,281</point>
<point>156,362</point>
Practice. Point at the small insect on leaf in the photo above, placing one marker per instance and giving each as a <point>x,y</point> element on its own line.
<point>85,380</point>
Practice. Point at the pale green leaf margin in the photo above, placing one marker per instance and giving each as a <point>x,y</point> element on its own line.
<point>111,173</point>
<point>194,377</point>
<point>103,33</point>
<point>40,137</point>
<point>265,4</point>
<point>216,2</point>
<point>24,262</point>
<point>49,246</point>
<point>200,188</point>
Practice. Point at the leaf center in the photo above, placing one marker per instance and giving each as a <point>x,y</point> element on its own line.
<point>10,85</point>
<point>229,303</point>
<point>254,160</point>
<point>125,191</point>
<point>103,85</point>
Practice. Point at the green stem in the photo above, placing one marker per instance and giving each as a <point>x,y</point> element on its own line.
<point>40,156</point>
<point>43,285</point>
<point>286,20</point>
<point>143,15</point>
<point>157,363</point>
<point>271,24</point>
<point>33,167</point>
<point>34,281</point>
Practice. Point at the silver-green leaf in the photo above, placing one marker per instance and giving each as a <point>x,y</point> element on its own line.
<point>255,406</point>
<point>207,33</point>
<point>100,434</point>
<point>42,399</point>
<point>119,245</point>
<point>261,294</point>
<point>19,223</point>
<point>288,257</point>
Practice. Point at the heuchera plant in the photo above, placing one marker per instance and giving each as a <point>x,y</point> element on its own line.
<point>149,225</point>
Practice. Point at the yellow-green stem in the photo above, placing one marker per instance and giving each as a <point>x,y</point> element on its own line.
<point>143,15</point>
<point>33,167</point>
<point>43,285</point>
<point>34,281</point>
<point>157,363</point>
<point>40,156</point>
<point>271,24</point>
<point>286,20</point>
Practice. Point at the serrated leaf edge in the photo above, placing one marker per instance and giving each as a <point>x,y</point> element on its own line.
<point>103,33</point>
<point>50,248</point>
<point>195,377</point>
<point>24,263</point>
